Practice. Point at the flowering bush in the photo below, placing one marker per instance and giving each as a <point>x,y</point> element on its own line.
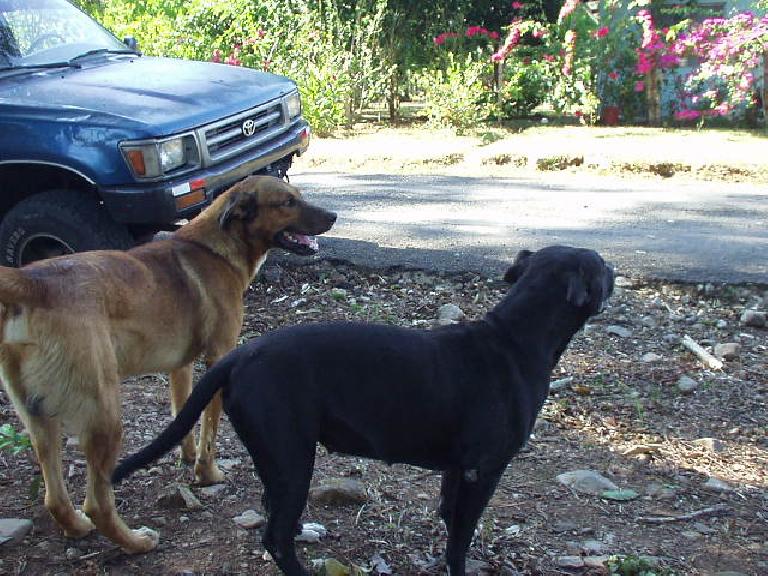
<point>729,51</point>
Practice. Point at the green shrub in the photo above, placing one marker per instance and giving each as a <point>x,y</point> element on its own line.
<point>456,97</point>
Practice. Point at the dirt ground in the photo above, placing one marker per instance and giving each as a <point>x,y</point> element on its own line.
<point>712,154</point>
<point>618,411</point>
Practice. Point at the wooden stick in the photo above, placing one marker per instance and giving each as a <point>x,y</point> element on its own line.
<point>717,510</point>
<point>703,355</point>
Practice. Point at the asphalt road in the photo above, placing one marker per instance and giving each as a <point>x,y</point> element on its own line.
<point>664,229</point>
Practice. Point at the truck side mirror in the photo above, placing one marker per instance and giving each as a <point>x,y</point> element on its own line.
<point>131,42</point>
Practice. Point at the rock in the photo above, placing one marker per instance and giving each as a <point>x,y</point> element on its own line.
<point>660,492</point>
<point>564,526</point>
<point>557,385</point>
<point>718,485</point>
<point>623,282</point>
<point>691,534</point>
<point>593,547</point>
<point>250,519</point>
<point>728,351</point>
<point>711,444</point>
<point>671,339</point>
<point>179,496</point>
<point>449,314</point>
<point>570,562</point>
<point>641,449</point>
<point>229,463</point>
<point>308,536</point>
<point>14,530</point>
<point>620,331</point>
<point>339,492</point>
<point>753,318</point>
<point>213,490</point>
<point>686,384</point>
<point>72,553</point>
<point>721,324</point>
<point>477,567</point>
<point>649,322</point>
<point>596,562</point>
<point>650,357</point>
<point>586,481</point>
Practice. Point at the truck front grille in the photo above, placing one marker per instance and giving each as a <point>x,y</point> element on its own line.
<point>236,134</point>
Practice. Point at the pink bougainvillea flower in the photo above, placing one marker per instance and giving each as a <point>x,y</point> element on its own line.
<point>439,39</point>
<point>262,33</point>
<point>602,32</point>
<point>538,33</point>
<point>613,75</point>
<point>578,113</point>
<point>567,9</point>
<point>493,35</point>
<point>517,5</point>
<point>549,57</point>
<point>639,86</point>
<point>216,56</point>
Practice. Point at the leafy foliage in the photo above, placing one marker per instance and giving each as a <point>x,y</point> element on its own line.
<point>13,441</point>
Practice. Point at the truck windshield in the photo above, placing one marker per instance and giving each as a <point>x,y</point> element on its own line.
<point>46,32</point>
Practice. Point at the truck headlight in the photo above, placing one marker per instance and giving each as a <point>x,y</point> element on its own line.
<point>156,158</point>
<point>293,103</point>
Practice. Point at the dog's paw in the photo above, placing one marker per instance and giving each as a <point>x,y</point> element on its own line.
<point>208,475</point>
<point>144,540</point>
<point>80,527</point>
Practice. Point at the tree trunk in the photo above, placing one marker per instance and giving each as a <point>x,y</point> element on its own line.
<point>653,97</point>
<point>392,97</point>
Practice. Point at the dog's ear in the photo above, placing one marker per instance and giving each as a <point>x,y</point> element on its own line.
<point>239,206</point>
<point>229,212</point>
<point>583,291</point>
<point>518,267</point>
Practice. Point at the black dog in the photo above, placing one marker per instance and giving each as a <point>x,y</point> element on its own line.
<point>461,399</point>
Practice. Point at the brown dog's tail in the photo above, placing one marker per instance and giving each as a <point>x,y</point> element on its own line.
<point>212,381</point>
<point>17,287</point>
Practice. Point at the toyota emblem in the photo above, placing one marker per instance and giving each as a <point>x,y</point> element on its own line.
<point>249,128</point>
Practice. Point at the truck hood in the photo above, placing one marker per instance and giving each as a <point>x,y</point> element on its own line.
<point>153,96</point>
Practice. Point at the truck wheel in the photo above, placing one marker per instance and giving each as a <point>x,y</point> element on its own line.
<point>58,222</point>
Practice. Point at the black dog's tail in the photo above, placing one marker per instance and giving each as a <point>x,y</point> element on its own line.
<point>212,381</point>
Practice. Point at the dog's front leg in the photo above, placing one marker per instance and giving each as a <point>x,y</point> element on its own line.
<point>472,493</point>
<point>206,470</point>
<point>181,386</point>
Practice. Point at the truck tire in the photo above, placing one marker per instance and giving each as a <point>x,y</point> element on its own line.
<point>58,222</point>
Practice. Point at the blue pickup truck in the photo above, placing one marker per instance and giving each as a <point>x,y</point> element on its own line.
<point>101,147</point>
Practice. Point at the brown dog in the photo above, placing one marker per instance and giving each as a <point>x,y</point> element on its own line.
<point>72,327</point>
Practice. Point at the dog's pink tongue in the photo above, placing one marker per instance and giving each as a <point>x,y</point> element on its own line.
<point>310,241</point>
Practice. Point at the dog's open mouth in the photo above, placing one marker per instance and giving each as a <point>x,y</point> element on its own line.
<point>297,243</point>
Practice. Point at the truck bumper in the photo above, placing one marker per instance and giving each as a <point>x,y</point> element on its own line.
<point>162,203</point>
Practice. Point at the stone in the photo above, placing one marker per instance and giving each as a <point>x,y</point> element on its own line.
<point>710,444</point>
<point>691,534</point>
<point>728,351</point>
<point>620,331</point>
<point>686,384</point>
<point>213,490</point>
<point>671,339</point>
<point>570,562</point>
<point>593,547</point>
<point>72,553</point>
<point>339,492</point>
<point>14,530</point>
<point>753,318</point>
<point>557,385</point>
<point>250,519</point>
<point>721,323</point>
<point>651,357</point>
<point>596,562</point>
<point>477,567</point>
<point>179,496</point>
<point>649,322</point>
<point>718,485</point>
<point>449,314</point>
<point>586,481</point>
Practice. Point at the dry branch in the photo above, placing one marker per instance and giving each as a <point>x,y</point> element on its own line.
<point>717,510</point>
<point>705,356</point>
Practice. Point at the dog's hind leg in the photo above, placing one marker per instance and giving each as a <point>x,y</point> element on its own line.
<point>473,492</point>
<point>181,386</point>
<point>287,497</point>
<point>448,488</point>
<point>46,440</point>
<point>100,437</point>
<point>206,470</point>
